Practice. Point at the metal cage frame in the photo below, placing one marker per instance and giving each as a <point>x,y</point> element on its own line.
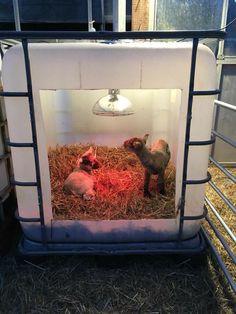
<point>195,36</point>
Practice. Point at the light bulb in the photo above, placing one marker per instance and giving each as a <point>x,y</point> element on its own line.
<point>113,104</point>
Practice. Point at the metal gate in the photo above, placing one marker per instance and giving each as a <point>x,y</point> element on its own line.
<point>230,208</point>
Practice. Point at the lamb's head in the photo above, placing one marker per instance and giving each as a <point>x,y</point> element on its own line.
<point>88,161</point>
<point>162,146</point>
<point>135,144</point>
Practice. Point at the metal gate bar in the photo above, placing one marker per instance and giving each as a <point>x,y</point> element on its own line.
<point>227,202</point>
<point>223,169</point>
<point>224,138</point>
<point>222,240</point>
<point>224,198</point>
<point>224,105</point>
<point>220,261</point>
<point>226,227</point>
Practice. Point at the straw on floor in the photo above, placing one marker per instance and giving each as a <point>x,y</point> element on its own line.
<point>119,186</point>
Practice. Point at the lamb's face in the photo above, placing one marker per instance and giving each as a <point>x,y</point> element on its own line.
<point>134,144</point>
<point>90,161</point>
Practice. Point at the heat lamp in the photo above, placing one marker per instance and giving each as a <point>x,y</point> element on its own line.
<point>113,104</point>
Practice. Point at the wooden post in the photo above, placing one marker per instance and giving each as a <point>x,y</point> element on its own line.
<point>140,15</point>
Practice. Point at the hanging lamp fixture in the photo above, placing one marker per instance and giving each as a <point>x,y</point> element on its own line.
<point>113,104</point>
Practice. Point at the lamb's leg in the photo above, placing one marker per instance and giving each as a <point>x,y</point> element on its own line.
<point>161,183</point>
<point>147,176</point>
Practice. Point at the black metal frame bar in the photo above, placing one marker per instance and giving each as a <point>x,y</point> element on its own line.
<point>1,51</point>
<point>187,135</point>
<point>24,36</point>
<point>201,181</point>
<point>14,94</point>
<point>201,143</point>
<point>21,183</point>
<point>106,35</point>
<point>14,144</point>
<point>34,138</point>
<point>23,219</point>
<point>206,93</point>
<point>205,212</point>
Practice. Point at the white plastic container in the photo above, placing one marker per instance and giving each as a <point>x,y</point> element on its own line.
<point>70,78</point>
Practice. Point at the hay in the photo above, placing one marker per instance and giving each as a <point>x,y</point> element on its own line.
<point>130,284</point>
<point>119,187</point>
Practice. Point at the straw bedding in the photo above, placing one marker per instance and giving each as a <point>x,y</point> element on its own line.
<point>229,190</point>
<point>119,187</point>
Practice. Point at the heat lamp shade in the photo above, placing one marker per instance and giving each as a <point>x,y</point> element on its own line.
<point>108,106</point>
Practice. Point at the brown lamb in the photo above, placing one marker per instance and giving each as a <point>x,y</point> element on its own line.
<point>154,160</point>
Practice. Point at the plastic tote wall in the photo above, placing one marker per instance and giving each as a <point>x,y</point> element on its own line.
<point>63,77</point>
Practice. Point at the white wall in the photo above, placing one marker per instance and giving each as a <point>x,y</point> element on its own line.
<point>68,117</point>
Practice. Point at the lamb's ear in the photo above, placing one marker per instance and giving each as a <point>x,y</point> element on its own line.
<point>88,152</point>
<point>79,161</point>
<point>145,138</point>
<point>137,144</point>
<point>168,149</point>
